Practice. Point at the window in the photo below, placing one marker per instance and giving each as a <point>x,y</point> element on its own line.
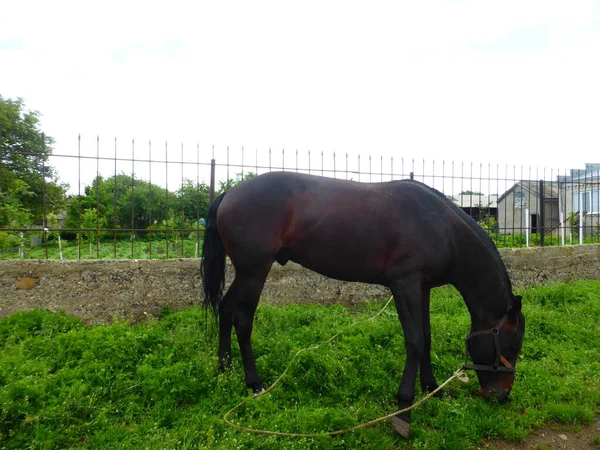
<point>519,198</point>
<point>590,201</point>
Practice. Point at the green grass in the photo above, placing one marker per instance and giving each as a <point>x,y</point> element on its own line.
<point>519,240</point>
<point>155,385</point>
<point>108,249</point>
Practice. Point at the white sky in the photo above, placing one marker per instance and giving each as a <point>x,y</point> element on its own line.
<point>511,82</point>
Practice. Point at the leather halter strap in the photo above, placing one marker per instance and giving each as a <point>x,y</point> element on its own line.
<point>501,364</point>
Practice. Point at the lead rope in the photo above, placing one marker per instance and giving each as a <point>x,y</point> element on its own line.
<point>459,374</point>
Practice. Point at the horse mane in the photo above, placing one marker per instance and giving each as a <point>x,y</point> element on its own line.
<point>477,229</point>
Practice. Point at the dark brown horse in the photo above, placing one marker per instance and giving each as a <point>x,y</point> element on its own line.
<point>400,234</point>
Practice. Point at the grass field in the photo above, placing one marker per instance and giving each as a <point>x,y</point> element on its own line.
<point>155,385</point>
<point>108,249</point>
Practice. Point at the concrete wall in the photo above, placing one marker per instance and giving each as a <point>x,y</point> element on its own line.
<point>108,290</point>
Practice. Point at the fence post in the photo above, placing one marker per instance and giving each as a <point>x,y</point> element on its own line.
<point>212,180</point>
<point>412,175</point>
<point>1,154</point>
<point>542,220</point>
<point>45,218</point>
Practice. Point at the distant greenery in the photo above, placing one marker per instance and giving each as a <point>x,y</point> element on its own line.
<point>183,245</point>
<point>155,385</point>
<point>122,201</point>
<point>156,247</point>
<point>29,186</point>
<point>106,207</point>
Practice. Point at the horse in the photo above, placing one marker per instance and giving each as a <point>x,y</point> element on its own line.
<point>401,234</point>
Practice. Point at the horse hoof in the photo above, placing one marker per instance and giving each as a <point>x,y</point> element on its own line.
<point>402,427</point>
<point>431,388</point>
<point>258,392</point>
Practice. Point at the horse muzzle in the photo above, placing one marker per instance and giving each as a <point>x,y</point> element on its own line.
<point>500,396</point>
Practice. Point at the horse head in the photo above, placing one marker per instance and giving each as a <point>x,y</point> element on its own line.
<point>494,352</point>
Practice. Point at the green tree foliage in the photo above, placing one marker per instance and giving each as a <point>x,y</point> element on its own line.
<point>24,169</point>
<point>123,202</point>
<point>13,214</point>
<point>191,202</point>
<point>239,177</point>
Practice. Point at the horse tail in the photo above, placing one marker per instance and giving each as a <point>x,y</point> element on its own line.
<point>212,266</point>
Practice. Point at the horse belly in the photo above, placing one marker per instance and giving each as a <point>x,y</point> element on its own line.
<point>349,263</point>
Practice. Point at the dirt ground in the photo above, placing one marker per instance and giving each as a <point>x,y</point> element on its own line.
<point>554,437</point>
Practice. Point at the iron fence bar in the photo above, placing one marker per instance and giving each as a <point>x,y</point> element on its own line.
<point>150,223</point>
<point>79,194</point>
<point>45,218</point>
<point>212,180</point>
<point>167,196</point>
<point>132,197</point>
<point>97,195</point>
<point>1,154</point>
<point>197,254</point>
<point>322,174</point>
<point>334,171</point>
<point>91,229</point>
<point>108,158</point>
<point>115,205</point>
<point>181,200</point>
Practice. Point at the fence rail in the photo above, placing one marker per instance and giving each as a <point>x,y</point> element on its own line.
<point>133,202</point>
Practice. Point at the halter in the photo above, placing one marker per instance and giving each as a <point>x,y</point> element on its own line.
<point>501,364</point>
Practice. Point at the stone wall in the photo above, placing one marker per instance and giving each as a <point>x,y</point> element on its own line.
<point>107,290</point>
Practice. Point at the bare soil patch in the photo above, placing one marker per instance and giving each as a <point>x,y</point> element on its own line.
<point>554,437</point>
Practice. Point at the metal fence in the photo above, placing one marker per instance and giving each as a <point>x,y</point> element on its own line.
<point>167,189</point>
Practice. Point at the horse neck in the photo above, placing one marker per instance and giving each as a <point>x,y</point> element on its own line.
<point>484,284</point>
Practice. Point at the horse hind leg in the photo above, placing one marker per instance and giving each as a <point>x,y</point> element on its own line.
<point>226,307</point>
<point>249,288</point>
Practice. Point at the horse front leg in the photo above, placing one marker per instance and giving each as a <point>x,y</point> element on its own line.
<point>408,296</point>
<point>428,382</point>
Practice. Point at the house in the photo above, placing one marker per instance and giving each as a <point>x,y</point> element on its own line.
<point>580,201</point>
<point>519,208</point>
<point>476,205</point>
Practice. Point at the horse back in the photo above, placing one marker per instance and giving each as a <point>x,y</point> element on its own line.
<point>370,232</point>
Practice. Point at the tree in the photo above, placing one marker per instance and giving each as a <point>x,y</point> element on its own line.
<point>24,152</point>
<point>121,202</point>
<point>13,214</point>
<point>470,193</point>
<point>239,177</point>
<point>191,203</point>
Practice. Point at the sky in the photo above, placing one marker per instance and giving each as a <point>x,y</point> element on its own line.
<point>507,83</point>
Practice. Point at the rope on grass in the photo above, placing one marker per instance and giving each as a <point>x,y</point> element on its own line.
<point>459,374</point>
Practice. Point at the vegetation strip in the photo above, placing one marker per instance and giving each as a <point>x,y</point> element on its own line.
<point>156,385</point>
